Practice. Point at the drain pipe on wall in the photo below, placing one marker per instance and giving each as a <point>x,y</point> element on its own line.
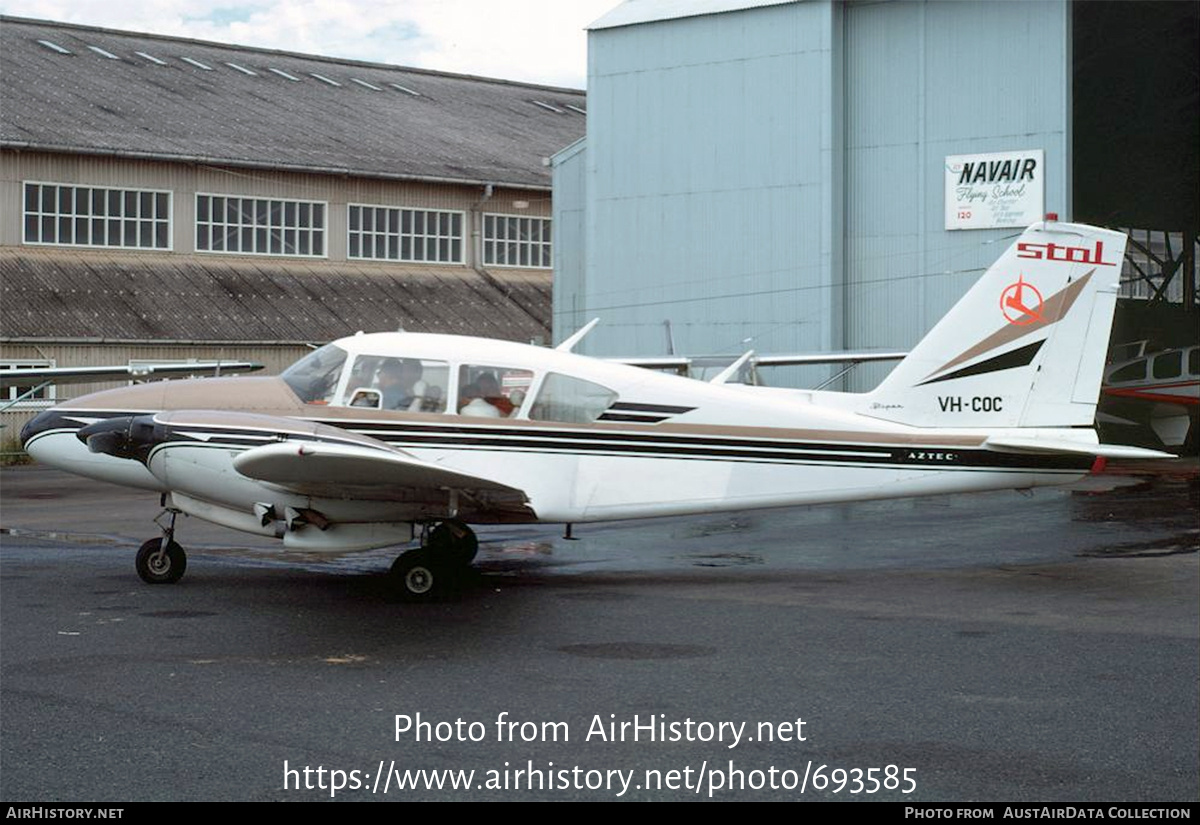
<point>477,253</point>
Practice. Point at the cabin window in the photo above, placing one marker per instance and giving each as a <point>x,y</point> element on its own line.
<point>1168,365</point>
<point>1130,372</point>
<point>93,216</point>
<point>260,226</point>
<point>409,384</point>
<point>314,377</point>
<point>511,240</point>
<point>383,233</point>
<point>571,400</point>
<point>1194,361</point>
<point>492,392</point>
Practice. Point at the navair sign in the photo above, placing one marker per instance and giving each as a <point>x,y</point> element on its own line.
<point>1002,189</point>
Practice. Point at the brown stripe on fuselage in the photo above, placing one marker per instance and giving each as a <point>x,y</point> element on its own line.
<point>271,396</point>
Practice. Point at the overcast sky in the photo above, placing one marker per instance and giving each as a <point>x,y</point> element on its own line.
<point>540,41</point>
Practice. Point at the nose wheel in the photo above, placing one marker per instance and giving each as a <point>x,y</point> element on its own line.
<point>427,572</point>
<point>162,560</point>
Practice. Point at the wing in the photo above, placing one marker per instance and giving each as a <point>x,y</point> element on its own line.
<point>306,466</point>
<point>32,376</point>
<point>682,362</point>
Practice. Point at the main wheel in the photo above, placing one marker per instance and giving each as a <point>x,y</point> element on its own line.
<point>158,566</point>
<point>455,541</point>
<point>416,577</point>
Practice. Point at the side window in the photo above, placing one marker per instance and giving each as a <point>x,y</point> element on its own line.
<point>571,400</point>
<point>1168,365</point>
<point>492,392</point>
<point>409,384</point>
<point>1194,360</point>
<point>1130,372</point>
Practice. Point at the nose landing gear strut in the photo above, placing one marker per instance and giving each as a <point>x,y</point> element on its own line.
<point>162,560</point>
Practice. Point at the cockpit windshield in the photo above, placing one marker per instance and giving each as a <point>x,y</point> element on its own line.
<point>315,376</point>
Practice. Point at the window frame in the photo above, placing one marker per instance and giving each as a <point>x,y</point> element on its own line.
<point>238,229</point>
<point>357,234</point>
<point>9,395</point>
<point>492,241</point>
<point>54,218</point>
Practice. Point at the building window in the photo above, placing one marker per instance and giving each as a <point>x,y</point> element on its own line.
<point>509,240</point>
<point>260,226</point>
<point>64,215</point>
<point>384,233</point>
<point>44,397</point>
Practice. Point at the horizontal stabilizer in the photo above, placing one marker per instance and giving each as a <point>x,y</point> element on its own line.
<point>1063,445</point>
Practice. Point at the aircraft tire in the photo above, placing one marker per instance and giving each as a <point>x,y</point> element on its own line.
<point>417,577</point>
<point>164,569</point>
<point>455,540</point>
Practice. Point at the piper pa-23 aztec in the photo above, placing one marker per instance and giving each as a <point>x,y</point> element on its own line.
<point>376,440</point>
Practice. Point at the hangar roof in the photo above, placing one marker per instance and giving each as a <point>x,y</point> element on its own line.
<point>87,90</point>
<point>94,295</point>
<point>632,12</point>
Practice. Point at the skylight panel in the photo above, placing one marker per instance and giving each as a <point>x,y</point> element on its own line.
<point>405,89</point>
<point>324,79</point>
<point>54,47</point>
<point>151,58</point>
<point>283,74</point>
<point>547,106</point>
<point>241,69</point>
<point>197,64</point>
<point>365,84</point>
<point>104,53</point>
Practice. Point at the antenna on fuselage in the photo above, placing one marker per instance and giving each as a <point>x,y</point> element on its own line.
<point>569,344</point>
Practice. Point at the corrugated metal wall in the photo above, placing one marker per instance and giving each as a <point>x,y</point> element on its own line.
<point>570,241</point>
<point>924,81</point>
<point>707,190</point>
<point>773,177</point>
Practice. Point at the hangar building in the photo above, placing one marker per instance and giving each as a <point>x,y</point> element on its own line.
<point>164,199</point>
<point>785,176</point>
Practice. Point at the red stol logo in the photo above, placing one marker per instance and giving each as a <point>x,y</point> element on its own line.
<point>1070,254</point>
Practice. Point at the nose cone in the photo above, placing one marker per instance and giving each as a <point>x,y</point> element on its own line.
<point>42,423</point>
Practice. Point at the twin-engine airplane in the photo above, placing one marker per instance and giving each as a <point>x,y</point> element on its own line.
<point>375,440</point>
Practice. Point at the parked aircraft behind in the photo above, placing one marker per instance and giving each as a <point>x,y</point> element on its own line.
<point>1156,390</point>
<point>375,439</point>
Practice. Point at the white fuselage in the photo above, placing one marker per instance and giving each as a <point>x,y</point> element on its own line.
<point>662,445</point>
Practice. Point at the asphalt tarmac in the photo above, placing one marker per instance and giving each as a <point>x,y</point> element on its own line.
<point>1004,647</point>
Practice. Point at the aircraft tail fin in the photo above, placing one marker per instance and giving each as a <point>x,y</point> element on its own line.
<point>1025,347</point>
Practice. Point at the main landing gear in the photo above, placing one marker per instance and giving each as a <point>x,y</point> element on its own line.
<point>445,554</point>
<point>162,560</point>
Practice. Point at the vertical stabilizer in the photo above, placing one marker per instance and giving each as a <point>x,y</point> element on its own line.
<point>1025,347</point>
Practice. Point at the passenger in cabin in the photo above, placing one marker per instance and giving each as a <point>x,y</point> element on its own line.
<point>470,402</point>
<point>400,384</point>
<point>489,391</point>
